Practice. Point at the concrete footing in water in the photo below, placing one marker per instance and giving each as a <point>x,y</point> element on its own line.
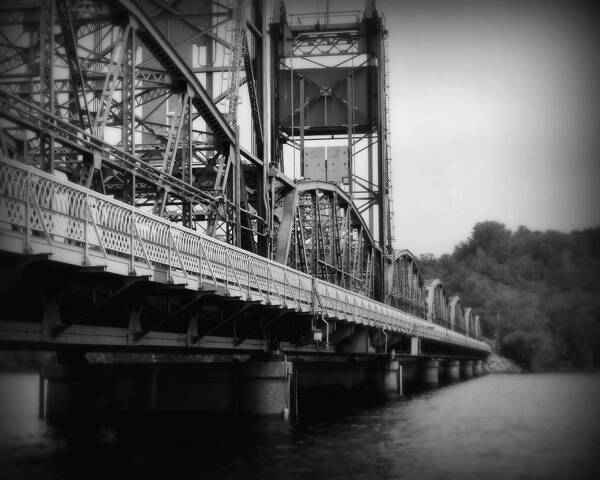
<point>450,370</point>
<point>466,369</point>
<point>254,387</point>
<point>392,377</point>
<point>382,377</point>
<point>477,368</point>
<point>429,372</point>
<point>265,388</point>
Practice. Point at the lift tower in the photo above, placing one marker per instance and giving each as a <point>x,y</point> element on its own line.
<point>329,130</point>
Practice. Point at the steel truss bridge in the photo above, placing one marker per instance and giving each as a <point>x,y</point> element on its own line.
<point>203,176</point>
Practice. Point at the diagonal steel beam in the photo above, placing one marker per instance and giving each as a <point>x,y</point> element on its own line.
<point>129,283</point>
<point>181,310</point>
<point>267,324</point>
<point>22,262</point>
<point>231,317</point>
<point>181,72</point>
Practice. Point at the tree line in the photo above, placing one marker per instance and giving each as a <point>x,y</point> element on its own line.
<point>537,293</point>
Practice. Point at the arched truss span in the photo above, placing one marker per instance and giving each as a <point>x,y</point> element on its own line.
<point>471,322</point>
<point>322,233</point>
<point>457,317</point>
<point>405,284</point>
<point>438,307</point>
<point>468,319</point>
<point>476,332</point>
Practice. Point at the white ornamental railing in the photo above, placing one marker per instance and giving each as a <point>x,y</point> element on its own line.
<point>38,207</point>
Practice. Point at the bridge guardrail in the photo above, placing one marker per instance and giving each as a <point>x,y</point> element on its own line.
<point>37,204</point>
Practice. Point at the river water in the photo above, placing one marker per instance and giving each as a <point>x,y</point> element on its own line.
<point>529,426</point>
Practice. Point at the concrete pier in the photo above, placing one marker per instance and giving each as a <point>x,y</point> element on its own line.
<point>410,371</point>
<point>466,369</point>
<point>251,388</point>
<point>265,388</point>
<point>477,368</point>
<point>429,372</point>
<point>333,377</point>
<point>392,378</point>
<point>349,378</point>
<point>266,384</point>
<point>450,370</point>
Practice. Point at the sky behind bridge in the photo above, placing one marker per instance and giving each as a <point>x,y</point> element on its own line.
<point>493,115</point>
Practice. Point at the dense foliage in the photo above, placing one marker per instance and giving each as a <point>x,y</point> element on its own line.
<point>537,293</point>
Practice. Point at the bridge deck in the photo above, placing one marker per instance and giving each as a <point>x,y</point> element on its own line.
<point>43,214</point>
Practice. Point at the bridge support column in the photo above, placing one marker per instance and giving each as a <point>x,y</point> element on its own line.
<point>415,346</point>
<point>429,372</point>
<point>337,380</point>
<point>257,387</point>
<point>477,368</point>
<point>466,368</point>
<point>450,370</point>
<point>392,377</point>
<point>410,372</point>
<point>65,390</point>
<point>265,388</point>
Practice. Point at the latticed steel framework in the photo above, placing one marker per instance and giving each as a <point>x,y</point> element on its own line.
<point>457,315</point>
<point>323,233</point>
<point>438,308</point>
<point>471,322</point>
<point>405,284</point>
<point>140,100</point>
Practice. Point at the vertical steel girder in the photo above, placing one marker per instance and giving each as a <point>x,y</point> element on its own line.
<point>179,120</point>
<point>46,88</point>
<point>69,36</point>
<point>252,92</point>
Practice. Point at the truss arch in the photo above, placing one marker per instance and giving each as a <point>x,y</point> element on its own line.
<point>438,306</point>
<point>405,284</point>
<point>321,232</point>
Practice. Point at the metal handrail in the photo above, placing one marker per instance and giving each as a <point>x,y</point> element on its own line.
<point>35,201</point>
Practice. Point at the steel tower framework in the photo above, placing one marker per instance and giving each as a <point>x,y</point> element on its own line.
<point>330,129</point>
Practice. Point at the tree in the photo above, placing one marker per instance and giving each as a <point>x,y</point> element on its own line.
<point>538,291</point>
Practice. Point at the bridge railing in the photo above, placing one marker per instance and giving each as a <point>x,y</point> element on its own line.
<point>37,206</point>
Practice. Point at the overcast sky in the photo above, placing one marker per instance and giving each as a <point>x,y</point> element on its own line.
<point>493,116</point>
<point>493,110</point>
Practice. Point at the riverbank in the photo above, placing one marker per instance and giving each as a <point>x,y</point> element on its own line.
<point>498,364</point>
